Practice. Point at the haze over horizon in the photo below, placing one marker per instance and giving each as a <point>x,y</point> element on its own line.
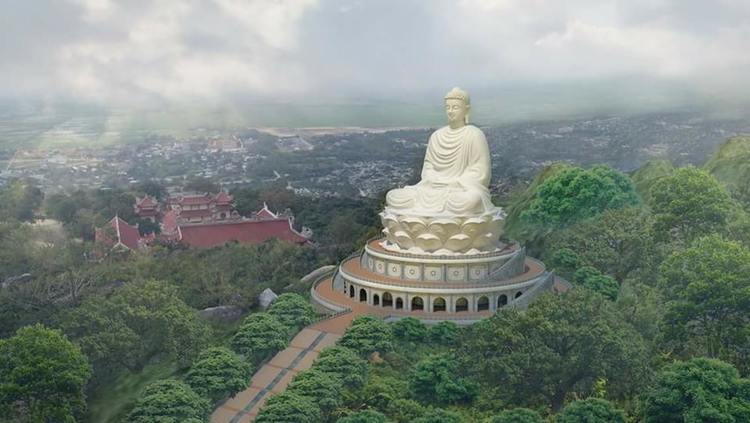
<point>366,63</point>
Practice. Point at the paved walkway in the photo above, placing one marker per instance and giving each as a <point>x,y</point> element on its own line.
<point>274,376</point>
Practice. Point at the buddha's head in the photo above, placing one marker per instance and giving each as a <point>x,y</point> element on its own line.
<point>457,106</point>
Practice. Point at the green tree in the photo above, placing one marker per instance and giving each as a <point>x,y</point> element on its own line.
<point>344,364</point>
<point>218,373</point>
<point>137,323</point>
<point>436,379</point>
<point>368,334</point>
<point>444,333</point>
<point>590,410</point>
<point>707,293</point>
<point>366,416</point>
<point>591,278</point>
<point>560,345</point>
<point>404,410</point>
<point>19,200</point>
<point>617,242</point>
<point>322,388</point>
<point>152,188</point>
<point>689,203</point>
<point>289,407</point>
<point>699,390</point>
<point>517,415</point>
<point>438,415</point>
<point>169,401</point>
<point>410,329</point>
<point>260,335</point>
<point>575,193</point>
<point>42,376</point>
<point>379,392</point>
<point>293,311</point>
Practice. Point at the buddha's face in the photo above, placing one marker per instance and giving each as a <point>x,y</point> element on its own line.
<point>456,110</point>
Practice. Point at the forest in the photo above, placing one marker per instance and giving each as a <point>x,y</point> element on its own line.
<point>655,329</point>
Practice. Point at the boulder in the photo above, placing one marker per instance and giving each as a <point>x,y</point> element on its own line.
<point>266,298</point>
<point>224,313</point>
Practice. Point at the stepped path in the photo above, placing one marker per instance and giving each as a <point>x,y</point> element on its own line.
<point>274,376</point>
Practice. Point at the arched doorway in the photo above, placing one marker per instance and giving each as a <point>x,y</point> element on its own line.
<point>362,296</point>
<point>417,303</point>
<point>518,294</point>
<point>483,303</point>
<point>387,299</point>
<point>462,304</point>
<point>438,304</point>
<point>399,303</point>
<point>351,291</point>
<point>502,301</point>
<point>375,299</point>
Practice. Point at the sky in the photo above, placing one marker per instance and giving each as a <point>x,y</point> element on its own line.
<point>527,53</point>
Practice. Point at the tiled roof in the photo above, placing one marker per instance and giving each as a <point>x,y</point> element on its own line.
<point>192,199</point>
<point>249,231</point>
<point>126,234</point>
<point>145,202</point>
<point>265,213</point>
<point>223,197</point>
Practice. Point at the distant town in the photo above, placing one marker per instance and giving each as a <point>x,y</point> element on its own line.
<point>360,161</point>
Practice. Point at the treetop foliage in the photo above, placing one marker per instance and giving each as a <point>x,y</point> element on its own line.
<point>219,373</point>
<point>590,410</point>
<point>689,203</point>
<point>42,376</point>
<point>698,390</point>
<point>169,401</point>
<point>368,334</point>
<point>576,193</point>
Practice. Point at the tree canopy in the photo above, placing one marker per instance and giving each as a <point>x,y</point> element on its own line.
<point>219,373</point>
<point>289,407</point>
<point>698,390</point>
<point>42,376</point>
<point>260,335</point>
<point>436,379</point>
<point>293,310</point>
<point>561,344</point>
<point>368,334</point>
<point>590,410</point>
<point>169,401</point>
<point>343,363</point>
<point>517,415</point>
<point>689,203</point>
<point>707,293</point>
<point>135,324</point>
<point>576,193</point>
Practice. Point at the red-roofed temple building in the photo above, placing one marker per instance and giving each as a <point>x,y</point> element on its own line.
<point>117,234</point>
<point>203,221</point>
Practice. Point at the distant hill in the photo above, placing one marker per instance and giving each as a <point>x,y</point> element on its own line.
<point>730,164</point>
<point>645,176</point>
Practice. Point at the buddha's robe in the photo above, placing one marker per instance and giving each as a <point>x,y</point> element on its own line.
<point>455,177</point>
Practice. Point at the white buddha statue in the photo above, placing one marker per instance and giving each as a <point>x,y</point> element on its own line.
<point>456,170</point>
<point>449,210</point>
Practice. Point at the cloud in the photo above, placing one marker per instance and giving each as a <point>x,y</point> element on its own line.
<point>214,51</point>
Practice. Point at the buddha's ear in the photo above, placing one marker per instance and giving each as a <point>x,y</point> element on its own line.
<point>466,116</point>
